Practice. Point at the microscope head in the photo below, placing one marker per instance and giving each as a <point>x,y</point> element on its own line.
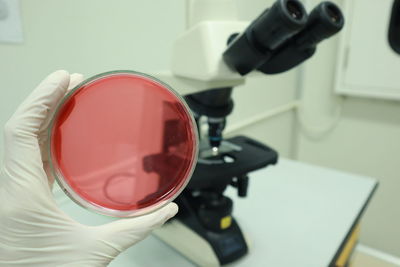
<point>296,39</point>
<point>250,49</point>
<point>324,21</point>
<point>282,37</point>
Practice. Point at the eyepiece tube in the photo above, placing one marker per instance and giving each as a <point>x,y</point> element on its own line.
<point>269,31</point>
<point>275,25</point>
<point>325,20</point>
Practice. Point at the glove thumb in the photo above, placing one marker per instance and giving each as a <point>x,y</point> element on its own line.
<point>122,234</point>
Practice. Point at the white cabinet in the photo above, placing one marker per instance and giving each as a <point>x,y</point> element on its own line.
<point>367,66</point>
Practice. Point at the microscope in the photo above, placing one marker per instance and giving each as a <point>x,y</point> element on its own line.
<point>217,56</point>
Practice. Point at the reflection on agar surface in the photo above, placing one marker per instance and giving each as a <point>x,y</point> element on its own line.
<point>123,142</point>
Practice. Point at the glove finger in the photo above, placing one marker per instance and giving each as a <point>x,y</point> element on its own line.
<point>76,78</point>
<point>22,150</point>
<point>120,235</point>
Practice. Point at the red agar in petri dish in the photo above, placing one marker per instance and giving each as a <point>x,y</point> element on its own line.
<point>123,144</point>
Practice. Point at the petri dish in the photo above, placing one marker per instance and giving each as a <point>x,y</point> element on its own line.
<point>123,144</point>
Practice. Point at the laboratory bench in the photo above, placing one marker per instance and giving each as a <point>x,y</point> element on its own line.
<point>295,214</point>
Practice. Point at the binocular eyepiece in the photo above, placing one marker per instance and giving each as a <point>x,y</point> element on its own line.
<point>276,24</point>
<point>283,32</point>
<point>325,20</point>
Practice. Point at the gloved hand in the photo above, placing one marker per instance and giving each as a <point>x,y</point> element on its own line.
<point>33,230</point>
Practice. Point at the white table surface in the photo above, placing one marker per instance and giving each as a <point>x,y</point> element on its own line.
<point>295,214</point>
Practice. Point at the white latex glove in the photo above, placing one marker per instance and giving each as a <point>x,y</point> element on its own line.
<point>33,230</point>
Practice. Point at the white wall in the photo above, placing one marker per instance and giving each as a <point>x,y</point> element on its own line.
<point>86,37</point>
<point>93,36</point>
<point>365,140</point>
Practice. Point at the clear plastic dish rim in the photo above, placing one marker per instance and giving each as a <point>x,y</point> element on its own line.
<point>93,206</point>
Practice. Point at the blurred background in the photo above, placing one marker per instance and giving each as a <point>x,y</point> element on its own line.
<point>337,125</point>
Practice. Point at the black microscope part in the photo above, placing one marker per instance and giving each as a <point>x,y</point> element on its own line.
<point>271,29</point>
<point>215,129</point>
<point>282,37</point>
<point>277,23</point>
<point>253,156</point>
<point>394,27</point>
<point>325,20</point>
<point>242,184</point>
<point>214,207</point>
<point>229,243</point>
<point>215,103</point>
<point>203,205</point>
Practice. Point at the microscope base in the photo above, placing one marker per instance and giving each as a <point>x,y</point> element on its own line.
<point>188,243</point>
